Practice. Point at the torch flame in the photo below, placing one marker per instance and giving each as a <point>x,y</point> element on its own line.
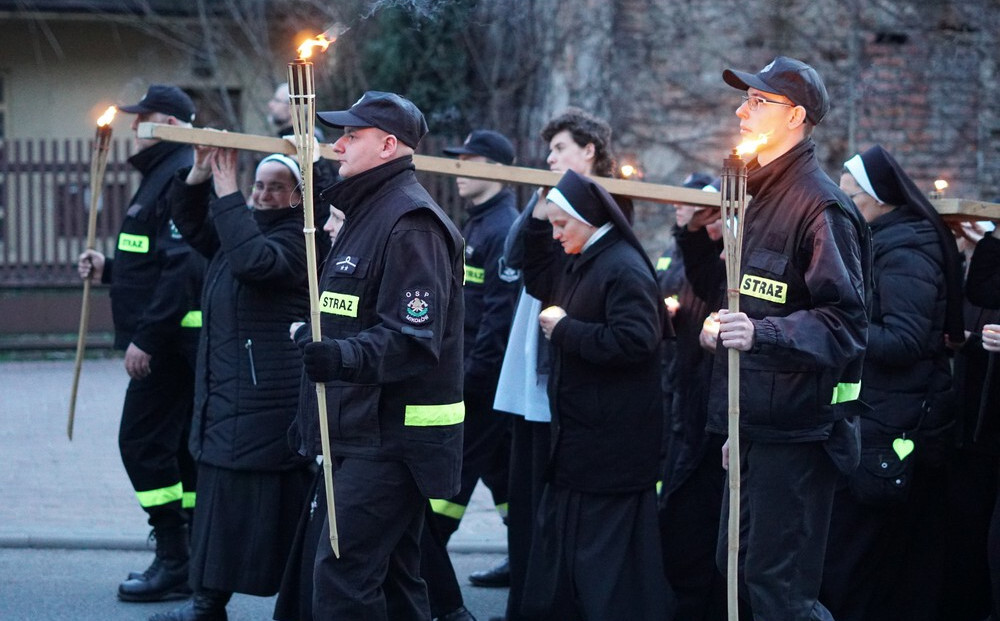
<point>306,49</point>
<point>750,145</point>
<point>107,117</point>
<point>940,185</point>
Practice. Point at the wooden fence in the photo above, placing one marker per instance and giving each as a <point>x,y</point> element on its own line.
<point>44,196</point>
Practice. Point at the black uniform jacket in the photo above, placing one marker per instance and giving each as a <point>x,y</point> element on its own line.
<point>604,390</point>
<point>247,379</point>
<point>906,365</point>
<point>391,300</point>
<point>806,259</point>
<point>490,290</point>
<point>155,277</point>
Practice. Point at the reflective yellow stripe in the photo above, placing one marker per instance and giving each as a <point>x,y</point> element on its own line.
<point>433,415</point>
<point>133,243</point>
<point>663,263</point>
<point>764,288</point>
<point>339,304</point>
<point>846,391</point>
<point>448,509</point>
<point>503,509</point>
<point>659,487</point>
<point>191,320</point>
<point>157,497</point>
<point>475,275</point>
<point>188,499</point>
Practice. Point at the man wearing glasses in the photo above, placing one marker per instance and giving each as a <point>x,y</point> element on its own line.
<point>802,330</point>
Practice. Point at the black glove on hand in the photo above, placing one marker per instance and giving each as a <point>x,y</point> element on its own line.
<point>322,360</point>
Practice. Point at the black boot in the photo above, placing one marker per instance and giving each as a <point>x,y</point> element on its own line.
<point>206,605</point>
<point>166,578</point>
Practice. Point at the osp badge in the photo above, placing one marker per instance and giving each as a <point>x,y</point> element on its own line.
<point>417,307</point>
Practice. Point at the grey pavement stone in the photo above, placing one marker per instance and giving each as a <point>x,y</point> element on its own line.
<point>75,494</point>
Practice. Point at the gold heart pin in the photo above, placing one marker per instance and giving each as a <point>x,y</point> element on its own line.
<point>902,447</point>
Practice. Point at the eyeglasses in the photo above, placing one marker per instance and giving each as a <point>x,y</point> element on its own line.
<point>753,102</point>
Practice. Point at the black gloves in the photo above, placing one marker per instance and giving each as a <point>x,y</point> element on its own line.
<point>322,360</point>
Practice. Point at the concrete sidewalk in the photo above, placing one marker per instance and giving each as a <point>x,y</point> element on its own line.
<point>75,494</point>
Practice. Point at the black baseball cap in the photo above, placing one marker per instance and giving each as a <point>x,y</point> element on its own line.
<point>487,143</point>
<point>789,77</point>
<point>165,99</point>
<point>387,111</point>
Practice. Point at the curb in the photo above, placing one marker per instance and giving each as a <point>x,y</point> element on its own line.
<point>130,544</point>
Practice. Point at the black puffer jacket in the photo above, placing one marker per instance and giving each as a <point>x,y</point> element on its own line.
<point>906,363</point>
<point>246,387</point>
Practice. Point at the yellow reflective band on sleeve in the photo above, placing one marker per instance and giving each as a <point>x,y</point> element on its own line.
<point>502,510</point>
<point>191,320</point>
<point>764,289</point>
<point>475,275</point>
<point>162,496</point>
<point>662,264</point>
<point>434,415</point>
<point>845,391</point>
<point>133,243</point>
<point>188,500</point>
<point>448,509</point>
<point>659,487</point>
<point>339,304</point>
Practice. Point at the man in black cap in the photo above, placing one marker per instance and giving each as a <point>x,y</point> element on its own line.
<point>155,283</point>
<point>802,331</point>
<point>391,359</point>
<point>490,293</point>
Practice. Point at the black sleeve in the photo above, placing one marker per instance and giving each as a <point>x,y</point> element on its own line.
<point>278,259</point>
<point>703,267</point>
<point>631,328</point>
<point>189,209</point>
<point>542,265</point>
<point>485,355</point>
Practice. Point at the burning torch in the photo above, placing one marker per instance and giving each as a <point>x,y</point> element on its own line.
<point>98,163</point>
<point>734,202</point>
<point>302,97</point>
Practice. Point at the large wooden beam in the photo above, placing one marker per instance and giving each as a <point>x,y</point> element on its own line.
<point>951,208</point>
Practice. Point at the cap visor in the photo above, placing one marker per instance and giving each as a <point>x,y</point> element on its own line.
<point>134,109</point>
<point>742,81</point>
<point>341,118</point>
<point>458,151</point>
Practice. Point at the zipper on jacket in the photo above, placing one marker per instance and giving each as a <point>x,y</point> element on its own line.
<point>253,369</point>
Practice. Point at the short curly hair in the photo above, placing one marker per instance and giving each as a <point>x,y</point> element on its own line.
<point>585,129</point>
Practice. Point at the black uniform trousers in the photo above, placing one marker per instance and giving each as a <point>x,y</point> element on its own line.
<point>786,495</point>
<point>529,454</point>
<point>380,513</point>
<point>597,556</point>
<point>486,456</point>
<point>689,531</point>
<point>153,439</point>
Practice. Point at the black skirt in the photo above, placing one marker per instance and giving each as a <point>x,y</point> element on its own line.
<point>244,522</point>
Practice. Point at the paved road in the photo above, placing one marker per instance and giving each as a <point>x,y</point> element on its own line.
<point>70,528</point>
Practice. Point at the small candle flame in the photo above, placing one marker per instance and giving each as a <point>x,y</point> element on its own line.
<point>940,185</point>
<point>107,117</point>
<point>306,49</point>
<point>750,145</point>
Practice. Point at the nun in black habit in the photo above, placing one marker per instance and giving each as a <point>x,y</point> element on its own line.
<point>597,549</point>
<point>887,533</point>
